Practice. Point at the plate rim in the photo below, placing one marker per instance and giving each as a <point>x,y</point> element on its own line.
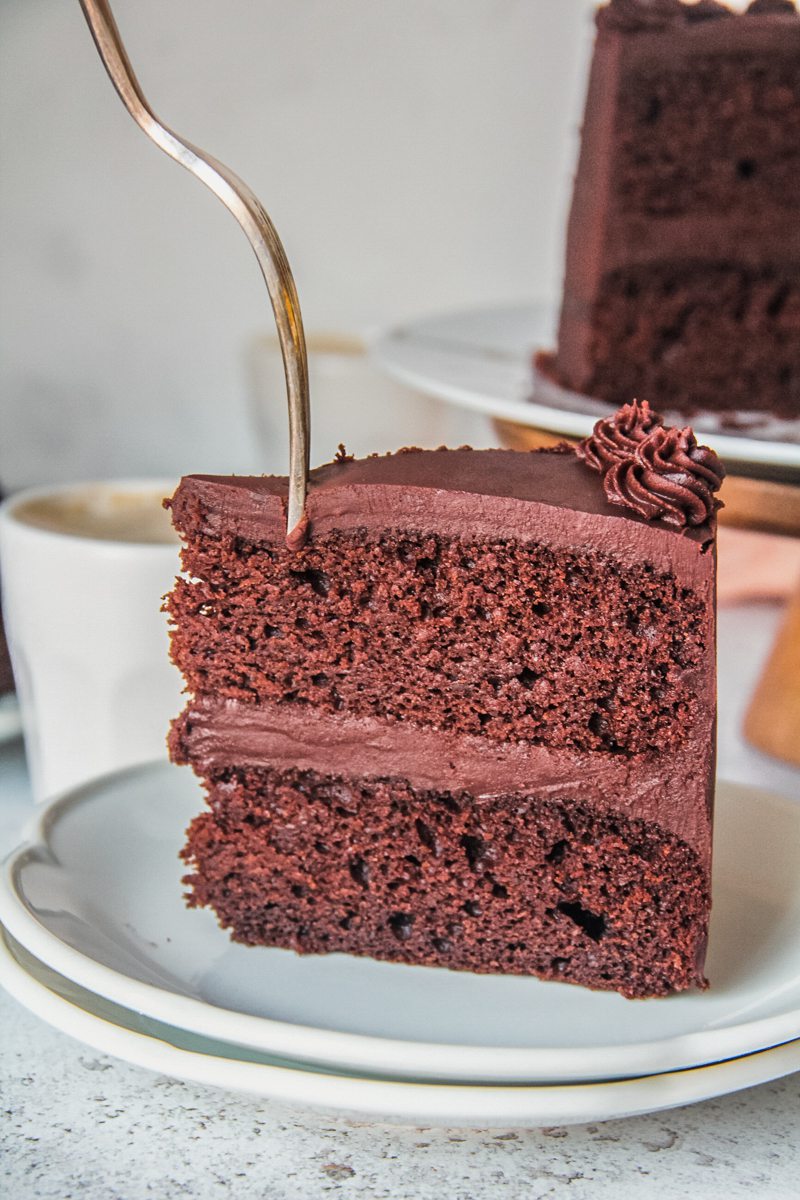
<point>441,1104</point>
<point>312,1044</point>
<point>569,423</point>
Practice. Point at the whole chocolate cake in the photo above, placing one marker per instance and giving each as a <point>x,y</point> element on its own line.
<point>683,244</point>
<point>470,723</point>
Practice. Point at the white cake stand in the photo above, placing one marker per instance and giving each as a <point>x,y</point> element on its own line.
<point>483,360</point>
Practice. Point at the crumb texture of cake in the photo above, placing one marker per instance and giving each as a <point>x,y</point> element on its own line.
<point>699,134</point>
<point>507,640</point>
<point>694,333</point>
<point>514,884</point>
<point>683,259</point>
<point>470,723</point>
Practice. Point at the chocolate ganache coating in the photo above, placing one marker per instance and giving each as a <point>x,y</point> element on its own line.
<point>668,477</point>
<point>616,437</point>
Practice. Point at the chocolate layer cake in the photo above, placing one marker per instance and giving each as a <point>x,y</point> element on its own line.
<point>470,723</point>
<point>683,245</point>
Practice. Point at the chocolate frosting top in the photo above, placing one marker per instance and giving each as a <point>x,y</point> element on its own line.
<point>550,498</point>
<point>781,7</point>
<point>706,10</point>
<point>643,16</point>
<point>631,16</point>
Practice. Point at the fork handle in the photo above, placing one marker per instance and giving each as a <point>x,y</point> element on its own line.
<point>261,233</point>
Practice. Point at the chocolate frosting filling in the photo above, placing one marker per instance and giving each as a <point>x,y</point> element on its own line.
<point>214,734</point>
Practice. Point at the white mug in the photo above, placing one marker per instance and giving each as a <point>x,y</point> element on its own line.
<point>84,568</point>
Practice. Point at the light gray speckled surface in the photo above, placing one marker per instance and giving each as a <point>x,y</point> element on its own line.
<point>86,1126</point>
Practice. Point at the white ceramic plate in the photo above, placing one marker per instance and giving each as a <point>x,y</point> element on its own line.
<point>482,359</point>
<point>114,1030</point>
<point>96,895</point>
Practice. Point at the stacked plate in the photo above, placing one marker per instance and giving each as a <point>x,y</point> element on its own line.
<point>99,943</point>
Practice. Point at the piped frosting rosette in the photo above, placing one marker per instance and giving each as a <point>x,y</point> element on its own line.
<point>659,473</point>
<point>615,438</point>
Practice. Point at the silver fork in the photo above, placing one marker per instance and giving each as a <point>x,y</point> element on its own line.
<point>261,233</point>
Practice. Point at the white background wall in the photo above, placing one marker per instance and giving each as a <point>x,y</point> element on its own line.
<point>415,155</point>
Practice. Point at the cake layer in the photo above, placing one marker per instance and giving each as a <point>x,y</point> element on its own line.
<point>508,638</point>
<point>510,641</point>
<point>469,720</point>
<point>708,120</point>
<point>673,791</point>
<point>520,883</point>
<point>690,333</point>
<point>701,121</point>
<point>697,124</point>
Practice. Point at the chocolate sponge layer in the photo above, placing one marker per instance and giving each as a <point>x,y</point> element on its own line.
<point>692,333</point>
<point>711,132</point>
<point>520,884</point>
<point>506,640</point>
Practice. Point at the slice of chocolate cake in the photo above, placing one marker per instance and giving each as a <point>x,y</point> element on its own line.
<point>683,244</point>
<point>470,723</point>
